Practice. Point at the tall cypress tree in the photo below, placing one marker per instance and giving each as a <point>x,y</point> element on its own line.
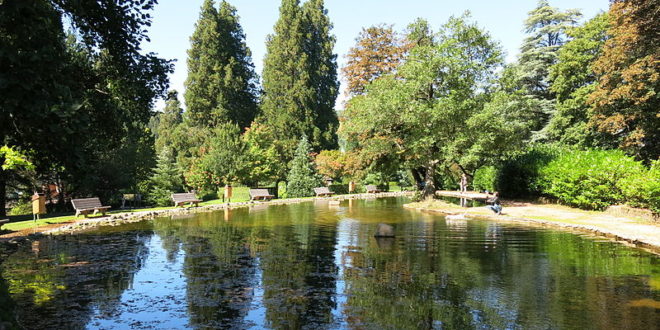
<point>300,78</point>
<point>323,72</point>
<point>221,83</point>
<point>288,96</point>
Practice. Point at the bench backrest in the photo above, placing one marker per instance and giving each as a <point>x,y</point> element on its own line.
<point>259,192</point>
<point>322,190</point>
<point>371,187</point>
<point>184,197</point>
<point>86,203</point>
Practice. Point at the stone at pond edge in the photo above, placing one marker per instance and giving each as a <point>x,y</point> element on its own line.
<point>384,230</point>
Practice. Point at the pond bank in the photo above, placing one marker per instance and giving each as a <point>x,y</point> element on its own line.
<point>81,224</point>
<point>630,230</point>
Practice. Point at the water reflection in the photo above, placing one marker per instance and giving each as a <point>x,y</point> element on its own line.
<point>314,266</point>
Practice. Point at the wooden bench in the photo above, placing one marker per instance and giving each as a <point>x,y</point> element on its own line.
<point>263,194</point>
<point>183,198</point>
<point>86,205</point>
<point>323,192</point>
<point>371,188</point>
<point>3,221</point>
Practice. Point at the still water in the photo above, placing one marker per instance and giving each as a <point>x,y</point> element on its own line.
<point>315,266</point>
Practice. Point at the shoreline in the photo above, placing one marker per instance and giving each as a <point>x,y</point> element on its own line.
<point>83,224</point>
<point>626,230</point>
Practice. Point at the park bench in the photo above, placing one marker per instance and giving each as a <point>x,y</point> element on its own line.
<point>371,188</point>
<point>263,194</point>
<point>86,205</point>
<point>323,192</point>
<point>3,221</point>
<point>183,198</point>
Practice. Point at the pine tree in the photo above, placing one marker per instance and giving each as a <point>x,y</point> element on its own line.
<point>323,72</point>
<point>166,179</point>
<point>302,178</point>
<point>546,27</point>
<point>221,83</point>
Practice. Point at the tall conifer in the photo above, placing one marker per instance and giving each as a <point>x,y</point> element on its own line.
<point>323,71</point>
<point>300,77</point>
<point>221,83</point>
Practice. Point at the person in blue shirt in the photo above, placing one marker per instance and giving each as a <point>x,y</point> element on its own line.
<point>495,204</point>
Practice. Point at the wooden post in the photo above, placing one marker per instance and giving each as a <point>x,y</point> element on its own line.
<point>228,192</point>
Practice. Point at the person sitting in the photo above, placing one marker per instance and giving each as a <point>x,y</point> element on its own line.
<point>495,203</point>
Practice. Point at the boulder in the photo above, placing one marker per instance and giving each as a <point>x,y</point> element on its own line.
<point>384,230</point>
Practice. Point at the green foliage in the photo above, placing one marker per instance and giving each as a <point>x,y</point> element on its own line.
<point>517,177</point>
<point>642,189</point>
<point>433,112</point>
<point>168,121</point>
<point>546,28</point>
<point>221,82</point>
<point>14,159</point>
<point>302,178</point>
<point>485,178</point>
<point>226,159</point>
<point>300,79</point>
<point>166,179</point>
<point>21,207</point>
<point>573,80</point>
<point>590,179</point>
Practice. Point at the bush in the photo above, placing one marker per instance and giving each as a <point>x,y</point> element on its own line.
<point>589,179</point>
<point>643,188</point>
<point>22,207</point>
<point>484,178</point>
<point>518,176</point>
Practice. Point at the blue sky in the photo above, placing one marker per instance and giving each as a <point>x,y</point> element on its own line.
<point>174,22</point>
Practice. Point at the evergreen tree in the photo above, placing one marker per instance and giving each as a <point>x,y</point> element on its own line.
<point>302,178</point>
<point>168,121</point>
<point>165,179</point>
<point>221,82</point>
<point>299,78</point>
<point>323,72</point>
<point>546,28</point>
<point>573,79</point>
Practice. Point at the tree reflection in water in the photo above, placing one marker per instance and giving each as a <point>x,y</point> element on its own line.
<point>314,266</point>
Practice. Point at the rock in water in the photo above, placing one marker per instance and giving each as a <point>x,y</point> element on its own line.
<point>384,230</point>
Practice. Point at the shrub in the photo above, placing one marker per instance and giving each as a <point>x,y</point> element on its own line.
<point>302,178</point>
<point>643,188</point>
<point>484,178</point>
<point>589,179</point>
<point>22,207</point>
<point>518,176</point>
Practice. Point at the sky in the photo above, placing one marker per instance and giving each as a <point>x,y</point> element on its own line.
<point>174,22</point>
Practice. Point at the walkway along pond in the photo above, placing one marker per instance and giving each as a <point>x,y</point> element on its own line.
<point>317,265</point>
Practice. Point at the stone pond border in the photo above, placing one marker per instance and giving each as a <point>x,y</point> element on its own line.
<point>128,217</point>
<point>650,246</point>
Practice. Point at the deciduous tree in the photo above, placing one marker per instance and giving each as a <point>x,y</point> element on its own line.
<point>626,100</point>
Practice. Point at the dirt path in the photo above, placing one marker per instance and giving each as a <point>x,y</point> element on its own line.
<point>638,231</point>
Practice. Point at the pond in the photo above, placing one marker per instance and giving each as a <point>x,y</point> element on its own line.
<point>314,265</point>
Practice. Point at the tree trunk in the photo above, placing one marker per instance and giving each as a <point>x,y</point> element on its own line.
<point>429,181</point>
<point>418,177</point>
<point>3,189</point>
